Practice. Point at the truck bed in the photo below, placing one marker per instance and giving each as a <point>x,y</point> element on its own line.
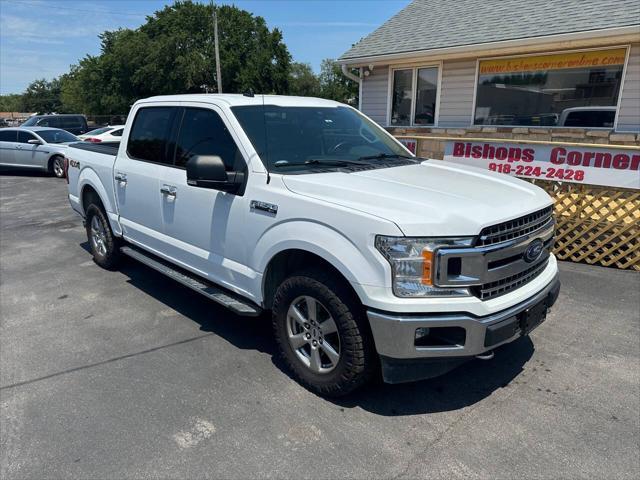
<point>107,148</point>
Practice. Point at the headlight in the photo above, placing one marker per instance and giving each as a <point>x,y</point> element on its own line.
<point>413,267</point>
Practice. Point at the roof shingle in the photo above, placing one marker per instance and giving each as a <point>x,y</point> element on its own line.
<point>431,24</point>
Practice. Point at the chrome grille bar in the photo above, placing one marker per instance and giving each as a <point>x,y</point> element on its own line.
<point>514,229</point>
<point>501,287</point>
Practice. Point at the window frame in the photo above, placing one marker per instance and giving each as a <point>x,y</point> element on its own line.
<point>614,128</point>
<point>414,67</point>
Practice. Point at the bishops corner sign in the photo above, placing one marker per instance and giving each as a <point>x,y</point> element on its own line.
<point>592,165</point>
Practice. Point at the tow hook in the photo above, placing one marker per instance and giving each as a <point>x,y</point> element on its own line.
<point>486,355</point>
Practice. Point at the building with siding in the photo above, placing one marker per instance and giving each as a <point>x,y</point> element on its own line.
<point>567,71</point>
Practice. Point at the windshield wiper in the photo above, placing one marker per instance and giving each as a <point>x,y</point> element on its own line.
<point>381,156</point>
<point>318,161</point>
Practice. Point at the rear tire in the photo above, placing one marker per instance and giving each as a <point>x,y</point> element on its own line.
<point>56,166</point>
<point>105,247</point>
<point>330,350</point>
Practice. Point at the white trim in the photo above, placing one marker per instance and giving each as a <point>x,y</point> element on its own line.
<point>362,77</point>
<point>465,50</point>
<point>551,52</point>
<point>414,67</point>
<point>622,82</point>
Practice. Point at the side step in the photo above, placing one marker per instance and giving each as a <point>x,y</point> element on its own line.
<point>231,301</point>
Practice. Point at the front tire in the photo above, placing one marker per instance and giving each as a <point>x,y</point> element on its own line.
<point>56,166</point>
<point>105,247</point>
<point>322,334</point>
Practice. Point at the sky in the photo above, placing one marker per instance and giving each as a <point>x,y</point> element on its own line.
<point>42,38</point>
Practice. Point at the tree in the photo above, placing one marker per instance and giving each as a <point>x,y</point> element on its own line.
<point>173,53</point>
<point>302,81</point>
<point>12,103</point>
<point>334,85</point>
<point>42,96</point>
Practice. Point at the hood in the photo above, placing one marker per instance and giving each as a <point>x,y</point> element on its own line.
<point>434,198</point>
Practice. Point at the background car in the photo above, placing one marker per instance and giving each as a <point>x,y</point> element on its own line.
<point>72,123</point>
<point>111,133</point>
<point>35,147</point>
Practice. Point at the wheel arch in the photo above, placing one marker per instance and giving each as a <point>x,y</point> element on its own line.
<point>91,188</point>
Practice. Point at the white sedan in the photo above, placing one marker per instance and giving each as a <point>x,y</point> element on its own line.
<point>40,148</point>
<point>112,133</point>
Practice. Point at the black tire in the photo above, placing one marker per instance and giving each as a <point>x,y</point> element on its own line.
<point>358,361</point>
<point>109,256</point>
<point>56,166</point>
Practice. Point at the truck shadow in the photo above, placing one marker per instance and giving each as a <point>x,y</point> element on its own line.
<point>462,387</point>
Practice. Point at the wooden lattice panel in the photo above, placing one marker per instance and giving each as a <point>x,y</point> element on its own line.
<point>596,225</point>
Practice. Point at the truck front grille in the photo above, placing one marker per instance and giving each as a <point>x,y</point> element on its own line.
<point>491,290</point>
<point>516,228</point>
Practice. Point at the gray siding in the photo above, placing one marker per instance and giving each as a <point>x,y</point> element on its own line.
<point>629,114</point>
<point>456,94</point>
<point>374,94</point>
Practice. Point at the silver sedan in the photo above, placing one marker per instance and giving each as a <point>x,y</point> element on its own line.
<point>35,147</point>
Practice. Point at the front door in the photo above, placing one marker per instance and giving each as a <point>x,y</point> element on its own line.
<point>205,225</point>
<point>137,173</point>
<point>29,154</point>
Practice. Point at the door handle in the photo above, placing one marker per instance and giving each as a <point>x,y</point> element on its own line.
<point>169,191</point>
<point>18,147</point>
<point>121,177</point>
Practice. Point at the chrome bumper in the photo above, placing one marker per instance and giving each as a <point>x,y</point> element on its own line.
<point>395,334</point>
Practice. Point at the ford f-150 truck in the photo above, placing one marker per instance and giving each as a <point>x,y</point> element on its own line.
<point>369,259</point>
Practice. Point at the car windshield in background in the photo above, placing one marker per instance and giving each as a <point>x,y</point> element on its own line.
<point>295,139</point>
<point>31,122</point>
<point>57,136</point>
<point>99,131</point>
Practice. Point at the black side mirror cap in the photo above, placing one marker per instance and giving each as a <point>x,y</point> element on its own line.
<point>208,171</point>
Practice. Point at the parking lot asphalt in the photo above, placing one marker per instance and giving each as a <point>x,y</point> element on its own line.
<point>127,374</point>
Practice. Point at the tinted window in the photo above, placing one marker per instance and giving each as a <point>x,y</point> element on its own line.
<point>31,122</point>
<point>24,137</point>
<point>69,122</point>
<point>8,136</point>
<point>149,137</point>
<point>204,133</point>
<point>117,133</point>
<point>99,131</point>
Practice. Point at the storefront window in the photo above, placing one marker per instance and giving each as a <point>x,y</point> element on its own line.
<point>402,97</point>
<point>426,96</point>
<point>578,89</point>
<point>414,96</point>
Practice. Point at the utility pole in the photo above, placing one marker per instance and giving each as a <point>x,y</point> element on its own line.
<point>215,44</point>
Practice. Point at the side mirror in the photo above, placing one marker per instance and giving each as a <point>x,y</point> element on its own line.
<point>208,171</point>
<point>34,141</point>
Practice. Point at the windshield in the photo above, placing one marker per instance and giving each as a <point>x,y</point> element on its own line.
<point>57,136</point>
<point>31,122</point>
<point>301,138</point>
<point>99,131</point>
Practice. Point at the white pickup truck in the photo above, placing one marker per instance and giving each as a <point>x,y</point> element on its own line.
<point>370,259</point>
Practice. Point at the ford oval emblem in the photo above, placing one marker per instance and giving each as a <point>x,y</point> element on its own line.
<point>533,251</point>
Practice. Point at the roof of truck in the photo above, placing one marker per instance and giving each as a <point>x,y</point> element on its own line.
<point>237,99</point>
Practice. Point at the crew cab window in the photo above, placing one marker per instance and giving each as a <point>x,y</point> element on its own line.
<point>8,135</point>
<point>24,137</point>
<point>204,133</point>
<point>149,139</point>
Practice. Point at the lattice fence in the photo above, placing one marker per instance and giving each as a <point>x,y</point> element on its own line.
<point>596,225</point>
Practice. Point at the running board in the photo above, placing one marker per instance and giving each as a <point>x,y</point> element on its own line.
<point>231,301</point>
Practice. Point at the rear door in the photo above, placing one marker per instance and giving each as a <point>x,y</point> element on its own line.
<point>137,173</point>
<point>8,143</point>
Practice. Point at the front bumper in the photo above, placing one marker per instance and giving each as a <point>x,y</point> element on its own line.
<point>395,336</point>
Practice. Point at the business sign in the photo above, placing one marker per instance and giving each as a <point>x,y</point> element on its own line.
<point>589,59</point>
<point>410,143</point>
<point>589,165</point>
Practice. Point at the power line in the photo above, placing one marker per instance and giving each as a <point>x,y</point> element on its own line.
<point>56,7</point>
